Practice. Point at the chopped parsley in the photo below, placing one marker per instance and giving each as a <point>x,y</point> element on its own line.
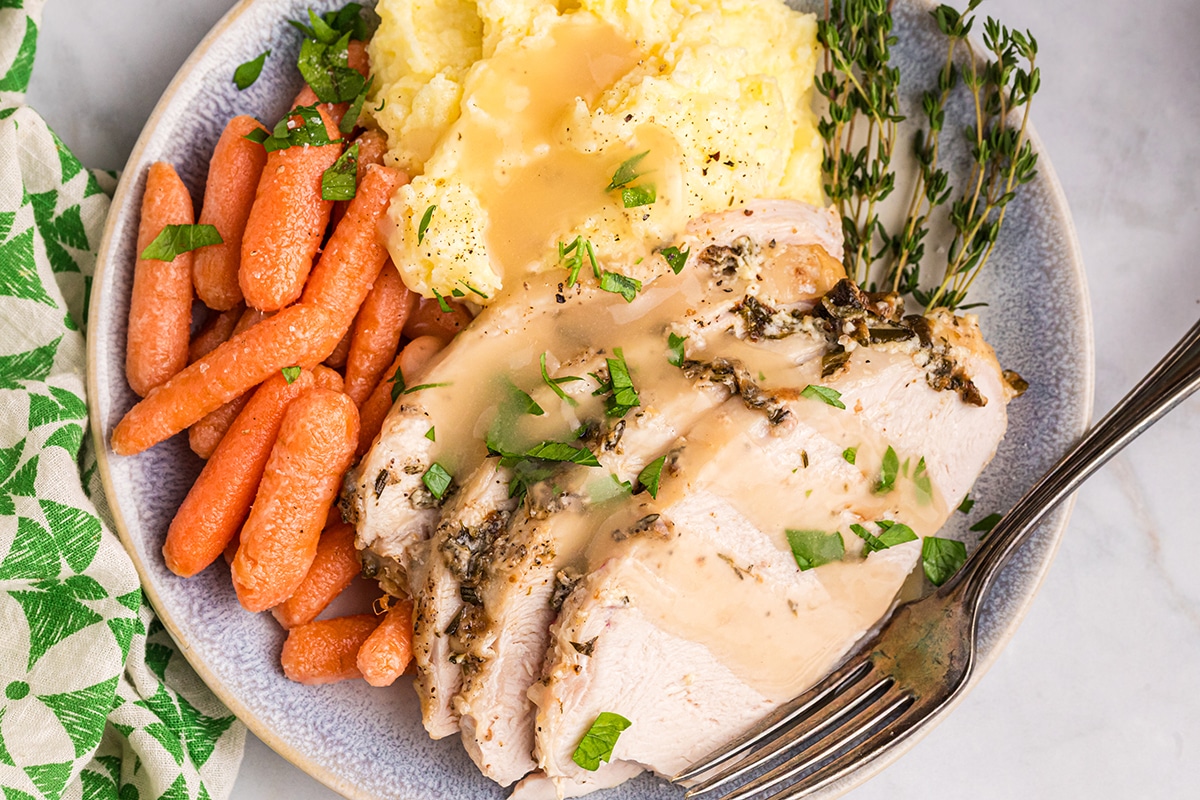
<point>290,374</point>
<point>570,256</point>
<point>814,548</point>
<point>340,181</point>
<point>287,133</point>
<point>246,74</point>
<point>174,240</point>
<point>643,194</point>
<point>397,381</point>
<point>941,558</point>
<point>850,454</point>
<point>986,524</point>
<point>632,196</point>
<point>830,397</point>
<point>553,383</point>
<point>421,386</point>
<point>598,743</point>
<point>443,304</point>
<point>471,288</point>
<point>651,475</point>
<point>521,403</point>
<point>921,481</point>
<point>676,258</point>
<point>891,534</point>
<point>676,355</point>
<point>355,110</point>
<point>430,434</point>
<point>622,394</point>
<point>626,173</point>
<point>332,25</point>
<point>620,284</point>
<point>538,462</point>
<point>424,226</point>
<point>437,480</point>
<point>888,471</point>
<point>967,504</point>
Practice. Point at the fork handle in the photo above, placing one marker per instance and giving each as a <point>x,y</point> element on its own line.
<point>1166,385</point>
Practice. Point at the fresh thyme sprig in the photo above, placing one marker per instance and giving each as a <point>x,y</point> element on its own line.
<point>861,90</point>
<point>1002,86</point>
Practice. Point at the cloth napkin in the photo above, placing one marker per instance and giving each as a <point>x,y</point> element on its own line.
<point>95,700</point>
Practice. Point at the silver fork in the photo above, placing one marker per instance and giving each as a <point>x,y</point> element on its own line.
<point>916,665</point>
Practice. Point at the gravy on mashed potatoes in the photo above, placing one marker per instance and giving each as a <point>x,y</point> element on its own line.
<point>513,116</point>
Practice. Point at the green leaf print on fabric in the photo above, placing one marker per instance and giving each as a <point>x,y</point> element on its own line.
<point>17,77</point>
<point>50,779</point>
<point>82,713</point>
<point>176,791</point>
<point>60,405</point>
<point>33,555</point>
<point>19,278</point>
<point>29,367</point>
<point>53,615</point>
<point>76,531</point>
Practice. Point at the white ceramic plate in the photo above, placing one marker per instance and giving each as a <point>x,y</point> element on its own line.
<point>368,743</point>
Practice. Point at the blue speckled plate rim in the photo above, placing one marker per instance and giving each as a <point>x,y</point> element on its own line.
<point>1052,531</point>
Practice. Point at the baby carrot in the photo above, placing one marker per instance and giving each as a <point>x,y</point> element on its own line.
<point>160,308</point>
<point>376,333</point>
<point>428,319</point>
<point>219,500</point>
<point>328,379</point>
<point>205,435</point>
<point>303,474</point>
<point>411,360</point>
<point>326,651</point>
<point>286,222</point>
<point>356,252</point>
<point>337,359</point>
<point>385,654</point>
<point>301,335</point>
<point>233,176</point>
<point>217,329</point>
<point>333,569</point>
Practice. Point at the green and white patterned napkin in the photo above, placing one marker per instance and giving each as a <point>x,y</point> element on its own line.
<point>95,701</point>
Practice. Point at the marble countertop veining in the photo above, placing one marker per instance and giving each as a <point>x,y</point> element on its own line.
<point>1094,696</point>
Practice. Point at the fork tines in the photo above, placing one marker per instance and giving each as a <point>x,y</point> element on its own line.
<point>856,693</point>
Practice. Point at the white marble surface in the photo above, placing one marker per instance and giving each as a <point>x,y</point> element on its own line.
<point>1095,696</point>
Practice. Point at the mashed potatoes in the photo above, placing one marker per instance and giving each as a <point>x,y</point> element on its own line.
<point>514,115</point>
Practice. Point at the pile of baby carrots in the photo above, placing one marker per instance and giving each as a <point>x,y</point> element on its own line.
<point>306,325</point>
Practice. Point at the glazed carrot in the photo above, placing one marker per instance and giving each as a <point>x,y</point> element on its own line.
<point>328,379</point>
<point>385,654</point>
<point>299,335</point>
<point>337,359</point>
<point>333,569</point>
<point>303,474</point>
<point>217,329</point>
<point>411,360</point>
<point>205,435</point>
<point>356,252</point>
<point>430,320</point>
<point>326,651</point>
<point>160,308</point>
<point>233,176</point>
<point>286,222</point>
<point>219,501</point>
<point>376,333</point>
